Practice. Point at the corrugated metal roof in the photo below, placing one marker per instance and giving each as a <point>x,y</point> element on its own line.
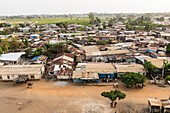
<point>11,56</point>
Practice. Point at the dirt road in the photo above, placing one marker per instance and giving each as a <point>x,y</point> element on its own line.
<point>46,97</point>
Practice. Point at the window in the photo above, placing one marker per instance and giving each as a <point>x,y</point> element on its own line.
<point>32,76</point>
<point>0,77</point>
<point>8,77</point>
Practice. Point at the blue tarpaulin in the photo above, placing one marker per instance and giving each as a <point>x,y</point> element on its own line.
<point>35,58</point>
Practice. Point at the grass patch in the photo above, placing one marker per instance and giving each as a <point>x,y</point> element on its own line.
<point>82,21</point>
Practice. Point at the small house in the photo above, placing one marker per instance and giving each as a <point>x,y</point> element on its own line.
<point>11,58</point>
<point>62,66</point>
<point>125,68</point>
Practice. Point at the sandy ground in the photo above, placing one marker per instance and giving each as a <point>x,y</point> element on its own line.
<point>46,97</point>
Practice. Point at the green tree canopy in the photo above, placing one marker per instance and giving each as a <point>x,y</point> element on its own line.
<point>1,51</point>
<point>101,42</point>
<point>14,43</point>
<point>148,26</point>
<point>91,39</point>
<point>133,79</point>
<point>98,20</point>
<point>5,45</point>
<point>114,95</point>
<point>111,21</point>
<point>168,48</point>
<point>38,51</point>
<point>167,78</point>
<point>160,19</point>
<point>58,48</point>
<point>91,17</point>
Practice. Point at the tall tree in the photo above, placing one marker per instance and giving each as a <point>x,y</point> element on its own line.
<point>98,20</point>
<point>91,17</point>
<point>5,45</point>
<point>150,68</point>
<point>14,43</point>
<point>110,22</point>
<point>113,96</point>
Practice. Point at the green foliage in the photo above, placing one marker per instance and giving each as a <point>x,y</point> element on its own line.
<point>167,65</point>
<point>168,48</point>
<point>41,21</point>
<point>149,67</point>
<point>14,43</point>
<point>91,17</point>
<point>26,42</point>
<point>114,95</point>
<point>160,19</point>
<point>101,42</point>
<point>104,25</point>
<point>134,27</point>
<point>29,51</point>
<point>5,45</point>
<point>141,23</point>
<point>149,26</point>
<point>1,51</point>
<point>4,25</point>
<point>91,39</point>
<point>58,48</point>
<point>38,52</point>
<point>50,50</point>
<point>62,24</point>
<point>11,44</point>
<point>133,79</point>
<point>109,41</point>
<point>167,78</point>
<point>6,31</point>
<point>22,25</point>
<point>81,29</point>
<point>111,21</point>
<point>75,58</point>
<point>98,20</point>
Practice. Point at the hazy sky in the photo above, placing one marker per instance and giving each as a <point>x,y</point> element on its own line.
<point>16,7</point>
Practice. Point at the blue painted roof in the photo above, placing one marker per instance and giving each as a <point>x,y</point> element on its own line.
<point>35,58</point>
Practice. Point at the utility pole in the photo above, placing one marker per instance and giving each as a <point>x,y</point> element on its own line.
<point>163,68</point>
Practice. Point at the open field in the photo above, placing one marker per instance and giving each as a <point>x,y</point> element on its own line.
<point>83,21</point>
<point>46,97</point>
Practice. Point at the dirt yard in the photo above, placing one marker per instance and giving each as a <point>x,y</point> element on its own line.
<point>47,97</point>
